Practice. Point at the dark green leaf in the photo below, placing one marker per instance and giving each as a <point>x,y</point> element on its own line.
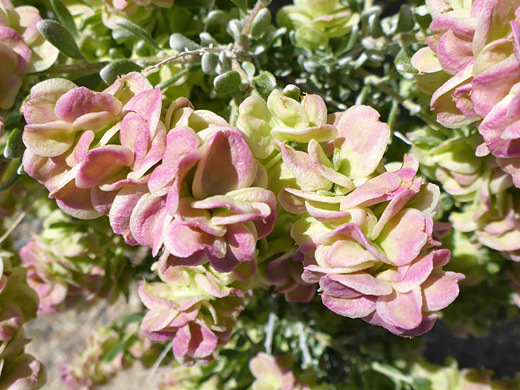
<point>173,80</point>
<point>137,31</point>
<point>64,16</point>
<point>422,384</point>
<point>59,36</point>
<point>180,43</point>
<point>11,174</point>
<point>128,319</point>
<point>14,147</point>
<point>227,82</point>
<point>112,71</point>
<point>118,348</point>
<point>90,81</point>
<point>405,21</point>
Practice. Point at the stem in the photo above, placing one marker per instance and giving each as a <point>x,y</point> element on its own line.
<point>210,8</point>
<point>376,366</point>
<point>244,43</point>
<point>412,107</point>
<point>197,52</point>
<point>307,358</point>
<point>268,345</point>
<point>20,217</point>
<point>159,360</point>
<point>164,61</point>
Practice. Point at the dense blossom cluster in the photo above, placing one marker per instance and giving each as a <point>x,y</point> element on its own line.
<point>366,233</point>
<point>471,66</point>
<point>190,183</point>
<point>22,50</point>
<point>101,360</point>
<point>257,205</point>
<point>451,377</point>
<point>72,259</point>
<point>18,304</point>
<point>192,306</point>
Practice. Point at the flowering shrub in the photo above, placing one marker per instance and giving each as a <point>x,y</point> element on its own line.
<point>258,175</point>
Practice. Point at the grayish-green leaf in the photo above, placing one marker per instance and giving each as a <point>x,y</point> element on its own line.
<point>209,63</point>
<point>227,82</point>
<point>60,37</point>
<point>64,16</point>
<point>265,80</point>
<point>180,43</point>
<point>260,23</point>
<point>137,31</point>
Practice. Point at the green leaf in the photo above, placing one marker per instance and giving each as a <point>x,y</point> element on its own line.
<point>128,319</point>
<point>227,82</point>
<point>422,384</point>
<point>138,31</point>
<point>260,23</point>
<point>91,81</point>
<point>118,348</point>
<point>64,16</point>
<point>265,80</point>
<point>234,29</point>
<point>405,22</point>
<point>209,63</point>
<point>173,80</point>
<point>181,43</point>
<point>403,63</point>
<point>249,68</point>
<point>112,71</point>
<point>14,146</point>
<point>292,91</point>
<point>241,4</point>
<point>60,37</point>
<point>11,174</point>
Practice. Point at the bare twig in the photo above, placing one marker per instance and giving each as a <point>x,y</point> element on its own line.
<point>19,218</point>
<point>159,360</point>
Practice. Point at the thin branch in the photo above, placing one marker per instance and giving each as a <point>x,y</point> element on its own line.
<point>307,358</point>
<point>268,344</point>
<point>176,57</point>
<point>246,30</point>
<point>89,67</point>
<point>159,360</point>
<point>413,108</point>
<point>20,217</point>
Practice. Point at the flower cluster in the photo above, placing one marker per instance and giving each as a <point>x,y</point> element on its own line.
<point>103,357</point>
<point>18,304</point>
<point>194,307</point>
<point>489,210</point>
<point>453,378</point>
<point>189,184</point>
<point>274,373</point>
<point>71,259</point>
<point>366,231</point>
<point>314,23</point>
<point>22,49</point>
<point>186,378</point>
<point>471,66</point>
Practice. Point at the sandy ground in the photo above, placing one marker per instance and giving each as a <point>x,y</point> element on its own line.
<point>56,337</point>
